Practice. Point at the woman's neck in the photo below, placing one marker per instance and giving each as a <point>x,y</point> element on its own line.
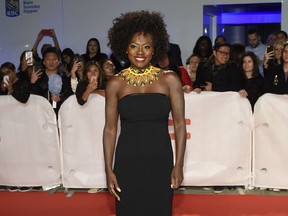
<point>91,55</point>
<point>249,74</point>
<point>24,67</point>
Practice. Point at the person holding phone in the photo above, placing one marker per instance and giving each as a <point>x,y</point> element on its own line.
<point>273,55</point>
<point>12,84</point>
<point>276,78</point>
<point>77,71</point>
<point>40,85</point>
<point>38,61</point>
<point>27,72</point>
<point>90,83</point>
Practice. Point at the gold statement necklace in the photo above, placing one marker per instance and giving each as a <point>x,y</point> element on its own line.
<point>138,77</point>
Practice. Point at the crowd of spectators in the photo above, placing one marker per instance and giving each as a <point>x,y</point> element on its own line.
<point>251,70</point>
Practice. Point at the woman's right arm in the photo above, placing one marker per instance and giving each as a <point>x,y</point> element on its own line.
<point>109,134</point>
<point>74,80</point>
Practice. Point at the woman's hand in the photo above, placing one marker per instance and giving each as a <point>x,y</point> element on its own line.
<point>35,75</point>
<point>267,56</point>
<point>92,86</point>
<point>3,86</point>
<point>197,90</point>
<point>187,88</point>
<point>176,177</point>
<point>208,86</point>
<point>55,97</point>
<point>243,93</point>
<point>112,184</point>
<point>12,79</point>
<point>74,69</point>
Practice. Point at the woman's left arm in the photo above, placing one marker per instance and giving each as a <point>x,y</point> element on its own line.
<point>178,113</point>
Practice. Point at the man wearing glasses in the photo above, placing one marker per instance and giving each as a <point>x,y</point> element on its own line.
<point>218,73</point>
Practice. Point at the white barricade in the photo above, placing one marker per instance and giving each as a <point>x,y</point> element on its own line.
<point>81,129</point>
<point>270,157</point>
<point>219,127</point>
<point>29,143</point>
<point>219,150</point>
<point>210,158</point>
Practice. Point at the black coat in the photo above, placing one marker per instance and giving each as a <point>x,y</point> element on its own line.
<point>225,77</point>
<point>275,81</point>
<point>254,89</point>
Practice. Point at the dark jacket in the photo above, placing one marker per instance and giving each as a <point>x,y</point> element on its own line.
<point>254,89</point>
<point>275,81</point>
<point>225,77</point>
<point>41,88</point>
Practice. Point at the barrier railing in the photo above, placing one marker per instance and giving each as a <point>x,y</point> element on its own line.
<point>219,141</point>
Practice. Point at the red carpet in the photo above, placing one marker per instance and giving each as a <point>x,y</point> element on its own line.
<point>102,204</point>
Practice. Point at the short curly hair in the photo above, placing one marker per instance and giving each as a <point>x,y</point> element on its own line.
<point>125,26</point>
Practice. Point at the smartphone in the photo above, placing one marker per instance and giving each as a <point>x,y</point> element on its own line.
<point>6,79</point>
<point>29,58</point>
<point>270,49</point>
<point>46,32</point>
<point>93,79</point>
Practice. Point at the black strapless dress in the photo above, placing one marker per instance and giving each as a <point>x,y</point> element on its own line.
<point>144,156</point>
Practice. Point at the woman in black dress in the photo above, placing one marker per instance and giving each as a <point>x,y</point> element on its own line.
<point>144,173</point>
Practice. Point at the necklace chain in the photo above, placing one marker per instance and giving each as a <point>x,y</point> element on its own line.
<point>138,77</point>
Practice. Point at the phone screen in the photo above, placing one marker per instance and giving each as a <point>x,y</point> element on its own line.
<point>6,79</point>
<point>29,58</point>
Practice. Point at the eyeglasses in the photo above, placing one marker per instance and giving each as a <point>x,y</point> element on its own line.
<point>223,53</point>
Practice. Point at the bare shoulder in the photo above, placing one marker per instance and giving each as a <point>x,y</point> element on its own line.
<point>169,76</point>
<point>115,80</point>
<point>114,83</point>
